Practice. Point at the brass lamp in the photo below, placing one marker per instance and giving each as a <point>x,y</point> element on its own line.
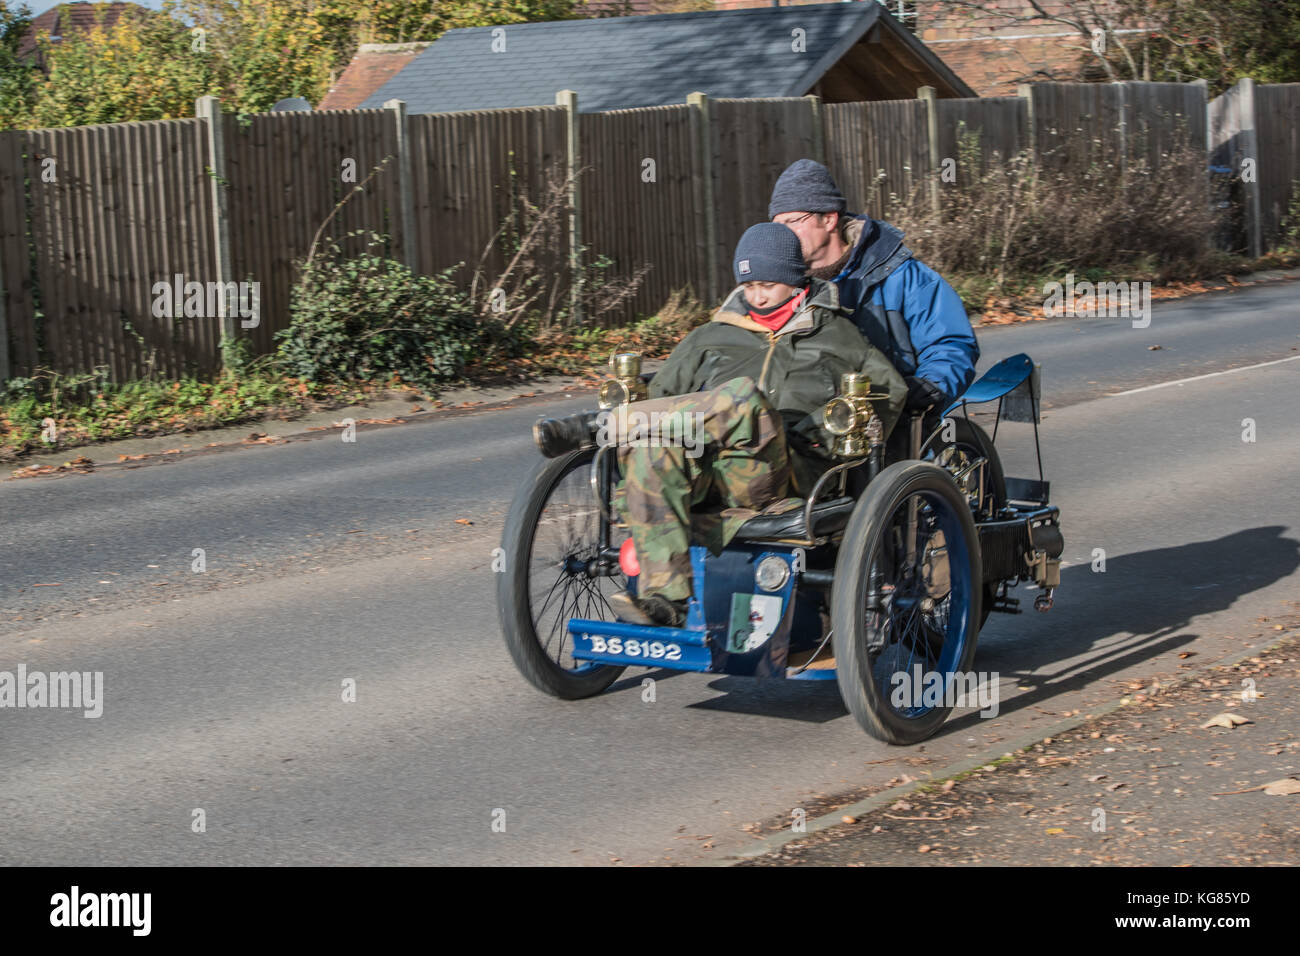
<point>625,385</point>
<point>851,419</point>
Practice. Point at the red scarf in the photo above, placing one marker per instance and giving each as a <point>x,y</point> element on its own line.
<point>773,319</point>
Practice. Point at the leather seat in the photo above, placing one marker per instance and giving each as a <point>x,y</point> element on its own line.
<point>827,517</point>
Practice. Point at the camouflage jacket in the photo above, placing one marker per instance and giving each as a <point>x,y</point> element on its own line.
<point>797,367</point>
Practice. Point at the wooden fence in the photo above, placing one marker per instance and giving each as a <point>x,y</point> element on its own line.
<point>93,218</point>
<point>1277,119</point>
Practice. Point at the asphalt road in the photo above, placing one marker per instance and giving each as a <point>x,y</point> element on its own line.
<point>329,562</point>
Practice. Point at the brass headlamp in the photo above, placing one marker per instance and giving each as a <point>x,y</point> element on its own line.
<point>851,419</point>
<point>625,385</point>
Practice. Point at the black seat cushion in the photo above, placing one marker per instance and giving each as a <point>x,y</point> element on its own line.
<point>827,516</point>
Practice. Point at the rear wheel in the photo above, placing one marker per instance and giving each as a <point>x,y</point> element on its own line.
<point>558,566</point>
<point>906,602</point>
<point>970,443</point>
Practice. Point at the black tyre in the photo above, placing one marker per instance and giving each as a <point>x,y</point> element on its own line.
<point>972,441</point>
<point>552,544</point>
<point>895,608</point>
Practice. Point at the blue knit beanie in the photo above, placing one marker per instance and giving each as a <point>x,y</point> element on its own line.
<point>769,252</point>
<point>805,186</point>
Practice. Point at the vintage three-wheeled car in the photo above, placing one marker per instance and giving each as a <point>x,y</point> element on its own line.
<point>881,581</point>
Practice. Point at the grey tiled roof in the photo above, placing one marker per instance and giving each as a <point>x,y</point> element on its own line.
<point>625,62</point>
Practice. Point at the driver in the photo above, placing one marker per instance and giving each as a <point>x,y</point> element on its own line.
<point>904,307</point>
<point>751,385</point>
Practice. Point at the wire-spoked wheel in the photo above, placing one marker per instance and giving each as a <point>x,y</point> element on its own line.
<point>560,563</point>
<point>970,443</point>
<point>906,602</point>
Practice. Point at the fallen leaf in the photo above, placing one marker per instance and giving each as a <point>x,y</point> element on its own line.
<point>1277,788</point>
<point>1225,720</point>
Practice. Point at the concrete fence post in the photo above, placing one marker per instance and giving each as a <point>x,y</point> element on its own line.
<point>1121,89</point>
<point>405,194</point>
<point>926,95</point>
<point>818,128</point>
<point>5,369</point>
<point>208,109</point>
<point>569,100</point>
<point>1250,150</point>
<point>702,176</point>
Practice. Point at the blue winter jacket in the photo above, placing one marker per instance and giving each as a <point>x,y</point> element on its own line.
<point>905,308</point>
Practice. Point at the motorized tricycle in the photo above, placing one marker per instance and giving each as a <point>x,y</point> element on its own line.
<point>881,580</point>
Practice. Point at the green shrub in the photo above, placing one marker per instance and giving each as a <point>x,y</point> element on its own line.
<point>366,318</point>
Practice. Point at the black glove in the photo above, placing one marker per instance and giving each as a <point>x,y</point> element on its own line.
<point>923,393</point>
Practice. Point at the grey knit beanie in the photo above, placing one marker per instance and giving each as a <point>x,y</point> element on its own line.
<point>769,252</point>
<point>805,186</point>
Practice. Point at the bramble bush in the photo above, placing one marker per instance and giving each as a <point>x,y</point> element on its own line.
<point>367,317</point>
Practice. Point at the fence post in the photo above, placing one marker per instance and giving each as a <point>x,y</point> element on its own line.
<point>405,197</point>
<point>1122,89</point>
<point>1026,92</point>
<point>702,175</point>
<point>818,129</point>
<point>1250,150</point>
<point>926,95</point>
<point>4,329</point>
<point>569,100</point>
<point>208,109</point>
<point>1204,88</point>
<point>1205,112</point>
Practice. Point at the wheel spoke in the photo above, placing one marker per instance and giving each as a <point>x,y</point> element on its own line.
<point>916,571</point>
<point>565,543</point>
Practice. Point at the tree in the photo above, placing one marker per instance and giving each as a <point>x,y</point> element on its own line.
<point>1220,41</point>
<point>18,76</point>
<point>250,53</point>
<point>146,66</point>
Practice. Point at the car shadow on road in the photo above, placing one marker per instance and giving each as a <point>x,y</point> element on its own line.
<point>1151,595</point>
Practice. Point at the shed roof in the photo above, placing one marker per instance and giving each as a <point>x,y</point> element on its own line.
<point>627,62</point>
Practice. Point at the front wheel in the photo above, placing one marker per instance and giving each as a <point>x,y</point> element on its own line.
<point>558,566</point>
<point>906,603</point>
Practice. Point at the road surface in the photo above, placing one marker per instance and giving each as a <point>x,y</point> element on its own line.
<point>328,562</point>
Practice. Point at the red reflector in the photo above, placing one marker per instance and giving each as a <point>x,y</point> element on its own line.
<point>627,559</point>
